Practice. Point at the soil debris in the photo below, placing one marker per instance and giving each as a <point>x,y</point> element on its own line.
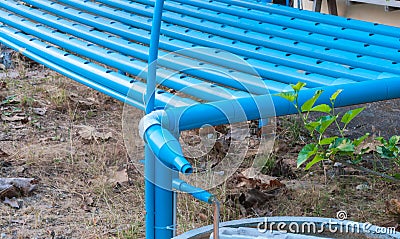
<point>16,187</point>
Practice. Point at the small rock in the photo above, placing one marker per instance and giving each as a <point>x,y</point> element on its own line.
<point>39,111</point>
<point>363,187</point>
<point>338,165</point>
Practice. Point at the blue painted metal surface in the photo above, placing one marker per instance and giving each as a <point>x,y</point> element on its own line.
<point>275,46</point>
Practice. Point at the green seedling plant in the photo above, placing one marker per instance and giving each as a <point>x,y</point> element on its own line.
<point>336,148</point>
<point>389,148</point>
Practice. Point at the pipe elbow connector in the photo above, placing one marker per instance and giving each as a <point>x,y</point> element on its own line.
<point>162,143</point>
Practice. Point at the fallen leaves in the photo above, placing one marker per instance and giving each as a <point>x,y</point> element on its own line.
<point>91,133</point>
<point>393,207</point>
<point>14,202</point>
<point>14,187</point>
<point>11,188</point>
<point>13,118</point>
<point>254,191</point>
<point>88,204</point>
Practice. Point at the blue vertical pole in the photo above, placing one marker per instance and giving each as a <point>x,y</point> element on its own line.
<point>150,188</point>
<point>164,202</point>
<point>149,192</point>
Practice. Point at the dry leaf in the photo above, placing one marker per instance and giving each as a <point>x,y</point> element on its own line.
<point>255,174</point>
<point>12,118</point>
<point>3,154</point>
<point>13,202</point>
<point>120,176</point>
<point>86,103</point>
<point>3,85</point>
<point>89,133</point>
<point>203,217</point>
<point>14,187</point>
<point>393,206</point>
<point>88,204</point>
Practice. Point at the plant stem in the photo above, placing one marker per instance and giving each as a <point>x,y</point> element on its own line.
<point>364,169</point>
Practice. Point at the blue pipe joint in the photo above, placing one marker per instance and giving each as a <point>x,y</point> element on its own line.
<point>197,193</point>
<point>162,143</point>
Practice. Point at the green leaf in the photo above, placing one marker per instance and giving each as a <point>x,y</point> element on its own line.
<point>385,152</point>
<point>381,139</point>
<point>327,141</point>
<point>324,108</point>
<point>335,95</point>
<point>357,160</point>
<point>342,145</point>
<point>310,102</point>
<point>351,114</point>
<point>396,175</point>
<point>394,140</point>
<point>358,141</point>
<point>290,96</point>
<point>318,158</point>
<point>298,86</point>
<point>311,126</point>
<point>305,153</point>
<point>325,121</point>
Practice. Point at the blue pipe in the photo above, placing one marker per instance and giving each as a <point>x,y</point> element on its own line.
<point>306,25</point>
<point>153,55</point>
<point>266,106</point>
<point>258,39</point>
<point>290,74</point>
<point>168,78</point>
<point>243,49</point>
<point>162,143</point>
<point>151,199</point>
<point>198,193</point>
<point>99,75</point>
<point>310,50</point>
<point>313,16</point>
<point>149,183</point>
<point>210,92</point>
<point>318,41</point>
<point>78,78</point>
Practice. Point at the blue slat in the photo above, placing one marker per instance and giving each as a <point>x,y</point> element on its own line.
<point>296,35</point>
<point>298,23</point>
<point>370,27</point>
<point>234,46</point>
<point>269,70</point>
<point>262,40</point>
<point>121,84</point>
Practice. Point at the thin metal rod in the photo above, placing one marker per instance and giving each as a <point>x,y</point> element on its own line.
<point>217,210</point>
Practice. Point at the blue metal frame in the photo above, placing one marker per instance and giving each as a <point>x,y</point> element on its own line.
<point>162,43</point>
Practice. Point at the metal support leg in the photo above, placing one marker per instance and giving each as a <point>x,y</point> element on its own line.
<point>317,5</point>
<point>332,7</point>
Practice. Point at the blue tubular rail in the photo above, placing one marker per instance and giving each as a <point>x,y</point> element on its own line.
<point>234,46</point>
<point>264,69</point>
<point>228,57</point>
